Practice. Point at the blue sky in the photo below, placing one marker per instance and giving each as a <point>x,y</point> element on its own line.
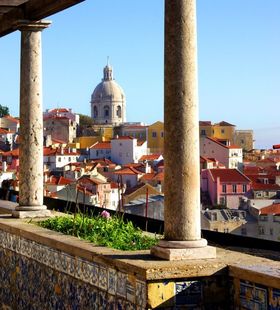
<point>238,53</point>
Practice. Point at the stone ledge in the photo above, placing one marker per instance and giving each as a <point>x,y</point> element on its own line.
<point>174,254</point>
<point>141,263</point>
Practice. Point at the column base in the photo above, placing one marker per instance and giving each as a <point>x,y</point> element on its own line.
<point>183,250</point>
<point>31,212</point>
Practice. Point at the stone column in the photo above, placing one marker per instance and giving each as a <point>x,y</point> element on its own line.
<point>31,123</point>
<point>182,228</point>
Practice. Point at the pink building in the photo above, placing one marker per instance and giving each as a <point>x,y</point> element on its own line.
<point>225,186</point>
<point>226,154</point>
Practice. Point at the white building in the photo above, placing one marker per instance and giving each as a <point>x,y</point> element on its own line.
<point>229,155</point>
<point>100,150</point>
<point>125,150</point>
<point>62,112</point>
<point>59,157</point>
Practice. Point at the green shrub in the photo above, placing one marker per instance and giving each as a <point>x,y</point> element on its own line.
<point>113,232</point>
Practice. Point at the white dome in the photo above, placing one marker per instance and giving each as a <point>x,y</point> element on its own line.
<point>107,90</point>
<point>108,100</point>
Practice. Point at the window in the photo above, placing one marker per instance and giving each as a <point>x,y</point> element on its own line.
<point>59,159</point>
<point>244,188</point>
<point>261,230</point>
<point>154,134</point>
<point>234,188</point>
<point>106,111</point>
<point>95,111</point>
<point>224,188</point>
<point>162,134</point>
<point>226,230</point>
<point>214,217</point>
<point>119,111</point>
<point>222,131</point>
<point>203,132</point>
<point>69,159</point>
<point>263,218</point>
<point>222,201</point>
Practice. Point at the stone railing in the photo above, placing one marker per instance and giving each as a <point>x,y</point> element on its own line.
<point>42,269</point>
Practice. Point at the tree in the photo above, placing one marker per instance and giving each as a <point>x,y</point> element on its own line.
<point>4,111</point>
<point>85,120</point>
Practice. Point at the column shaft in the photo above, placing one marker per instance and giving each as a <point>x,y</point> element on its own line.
<point>181,148</point>
<point>31,120</point>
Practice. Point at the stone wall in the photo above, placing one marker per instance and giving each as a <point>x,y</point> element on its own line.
<point>41,269</point>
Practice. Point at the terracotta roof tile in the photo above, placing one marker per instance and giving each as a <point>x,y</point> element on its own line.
<point>272,209</point>
<point>229,175</point>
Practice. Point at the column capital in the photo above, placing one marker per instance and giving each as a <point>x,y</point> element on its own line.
<point>28,25</point>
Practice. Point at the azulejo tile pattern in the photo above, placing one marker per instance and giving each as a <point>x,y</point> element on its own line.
<point>39,277</point>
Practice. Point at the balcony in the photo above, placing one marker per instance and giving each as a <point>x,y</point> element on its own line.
<point>41,269</point>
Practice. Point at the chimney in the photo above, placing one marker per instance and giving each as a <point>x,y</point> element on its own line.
<point>4,166</point>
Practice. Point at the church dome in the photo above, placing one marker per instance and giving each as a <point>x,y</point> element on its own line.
<point>108,104</point>
<point>108,88</point>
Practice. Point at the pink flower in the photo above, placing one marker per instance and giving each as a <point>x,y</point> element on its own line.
<point>105,214</point>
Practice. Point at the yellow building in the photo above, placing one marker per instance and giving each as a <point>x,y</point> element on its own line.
<point>156,137</point>
<point>96,133</point>
<point>221,131</point>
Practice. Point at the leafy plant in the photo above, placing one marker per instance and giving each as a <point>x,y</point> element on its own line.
<point>113,231</point>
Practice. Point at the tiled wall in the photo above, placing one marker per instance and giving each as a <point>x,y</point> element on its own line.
<point>34,276</point>
<point>201,293</point>
<point>250,295</point>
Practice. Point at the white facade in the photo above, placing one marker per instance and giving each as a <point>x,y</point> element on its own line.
<point>231,157</point>
<point>100,150</point>
<point>58,160</point>
<point>125,150</point>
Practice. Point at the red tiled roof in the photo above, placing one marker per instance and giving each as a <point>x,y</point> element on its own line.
<point>276,146</point>
<point>128,171</point>
<point>58,110</point>
<point>223,123</point>
<point>272,209</point>
<point>58,141</point>
<point>114,185</point>
<point>103,161</point>
<point>4,131</point>
<point>101,145</point>
<point>159,176</point>
<point>265,187</point>
<point>148,176</point>
<point>14,153</point>
<point>87,180</point>
<point>205,123</point>
<point>59,181</point>
<point>123,138</point>
<point>150,157</point>
<point>48,151</point>
<point>140,142</point>
<point>229,175</point>
<point>12,119</point>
